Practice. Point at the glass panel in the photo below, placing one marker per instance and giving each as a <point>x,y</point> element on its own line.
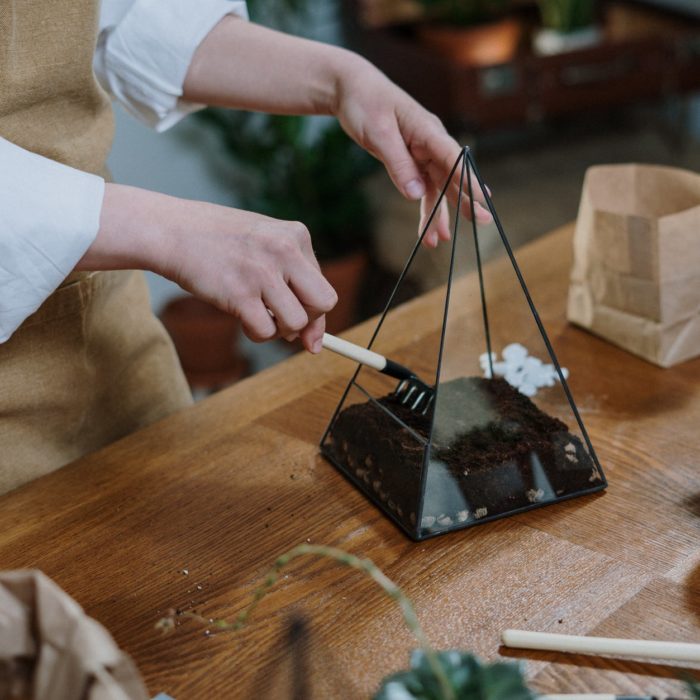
<point>382,437</point>
<point>379,453</point>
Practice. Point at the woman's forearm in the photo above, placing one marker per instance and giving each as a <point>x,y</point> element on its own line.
<point>246,66</point>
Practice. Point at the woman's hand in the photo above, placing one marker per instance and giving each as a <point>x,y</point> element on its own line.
<point>246,66</point>
<point>414,146</point>
<point>259,269</point>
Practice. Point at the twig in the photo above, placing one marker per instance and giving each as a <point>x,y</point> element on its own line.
<point>342,557</point>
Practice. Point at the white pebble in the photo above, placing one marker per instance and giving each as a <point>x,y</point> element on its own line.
<point>500,368</point>
<point>533,378</point>
<point>484,359</point>
<point>514,352</point>
<point>531,362</point>
<point>428,521</point>
<point>462,515</point>
<point>444,520</point>
<point>514,377</point>
<point>527,389</point>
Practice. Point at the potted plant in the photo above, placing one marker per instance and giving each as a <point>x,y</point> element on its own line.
<point>303,169</point>
<point>471,32</point>
<point>308,170</point>
<point>567,25</point>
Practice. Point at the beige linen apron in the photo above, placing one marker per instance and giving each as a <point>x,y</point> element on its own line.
<point>93,363</point>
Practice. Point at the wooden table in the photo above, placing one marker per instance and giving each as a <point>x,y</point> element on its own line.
<point>223,488</point>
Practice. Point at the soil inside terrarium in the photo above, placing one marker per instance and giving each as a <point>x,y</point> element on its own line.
<point>492,451</point>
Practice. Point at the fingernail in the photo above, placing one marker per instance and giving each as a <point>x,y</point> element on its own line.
<point>317,346</point>
<point>415,189</point>
<point>488,189</point>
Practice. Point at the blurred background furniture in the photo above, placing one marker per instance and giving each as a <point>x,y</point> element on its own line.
<point>646,51</point>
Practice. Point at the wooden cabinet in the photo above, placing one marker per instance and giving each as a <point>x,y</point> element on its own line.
<point>645,54</point>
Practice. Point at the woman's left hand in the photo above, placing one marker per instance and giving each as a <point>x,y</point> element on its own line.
<point>413,144</point>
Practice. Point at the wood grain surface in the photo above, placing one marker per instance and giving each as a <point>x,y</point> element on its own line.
<point>223,488</point>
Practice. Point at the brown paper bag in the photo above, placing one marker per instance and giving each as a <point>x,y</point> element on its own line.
<point>636,274</point>
<point>51,650</point>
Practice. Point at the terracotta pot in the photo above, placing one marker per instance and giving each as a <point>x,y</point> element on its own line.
<point>480,45</point>
<point>206,342</point>
<point>345,276</point>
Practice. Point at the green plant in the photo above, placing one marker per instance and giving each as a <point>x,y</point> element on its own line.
<point>464,12</point>
<point>293,168</point>
<point>468,678</point>
<point>567,15</point>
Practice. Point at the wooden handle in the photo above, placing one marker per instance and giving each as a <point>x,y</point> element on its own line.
<point>675,651</point>
<point>354,352</point>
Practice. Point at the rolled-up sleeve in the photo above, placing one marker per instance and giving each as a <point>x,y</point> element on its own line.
<point>49,217</point>
<point>145,48</point>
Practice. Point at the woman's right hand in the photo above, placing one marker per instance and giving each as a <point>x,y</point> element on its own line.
<point>259,269</point>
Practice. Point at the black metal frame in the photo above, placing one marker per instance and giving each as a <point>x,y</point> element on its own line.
<point>468,167</point>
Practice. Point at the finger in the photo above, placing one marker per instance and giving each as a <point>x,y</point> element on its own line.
<point>443,225</point>
<point>390,147</point>
<point>438,154</point>
<point>289,314</point>
<point>440,223</point>
<point>312,289</point>
<point>483,216</point>
<point>432,220</point>
<point>481,210</point>
<point>312,335</point>
<point>427,204</point>
<point>257,323</point>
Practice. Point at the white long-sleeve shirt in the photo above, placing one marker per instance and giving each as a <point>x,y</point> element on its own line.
<point>49,212</point>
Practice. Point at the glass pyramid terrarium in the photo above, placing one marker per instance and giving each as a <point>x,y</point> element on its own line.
<point>500,432</point>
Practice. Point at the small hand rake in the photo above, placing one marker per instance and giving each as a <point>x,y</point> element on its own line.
<point>411,391</point>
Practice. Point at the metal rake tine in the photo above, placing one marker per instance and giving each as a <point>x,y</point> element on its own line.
<point>409,383</point>
<point>406,393</point>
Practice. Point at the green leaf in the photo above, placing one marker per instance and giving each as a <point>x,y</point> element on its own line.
<point>468,677</point>
<point>284,168</point>
<point>694,689</point>
<point>567,15</point>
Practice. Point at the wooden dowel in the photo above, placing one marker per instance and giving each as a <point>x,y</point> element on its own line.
<point>674,651</point>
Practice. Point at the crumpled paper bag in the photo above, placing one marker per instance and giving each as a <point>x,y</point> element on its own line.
<point>51,650</point>
<point>636,274</point>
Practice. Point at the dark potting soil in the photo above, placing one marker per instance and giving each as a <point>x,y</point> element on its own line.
<point>493,451</point>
